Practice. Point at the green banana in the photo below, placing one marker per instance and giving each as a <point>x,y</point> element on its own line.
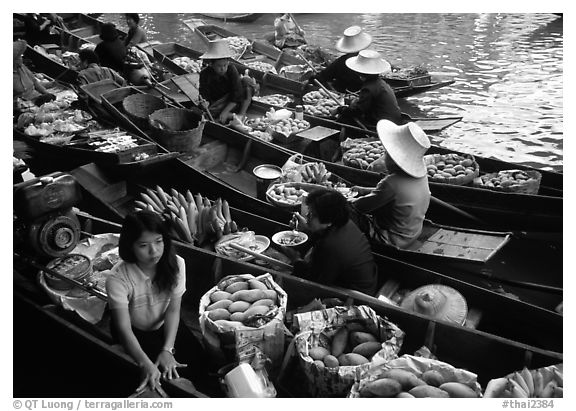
<point>527,376</point>
<point>495,388</point>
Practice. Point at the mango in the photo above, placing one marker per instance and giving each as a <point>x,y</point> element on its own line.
<point>257,310</point>
<point>339,342</point>
<point>407,379</point>
<point>433,378</point>
<point>237,286</point>
<point>367,349</point>
<point>219,304</point>
<point>318,353</point>
<point>219,295</point>
<point>270,294</point>
<point>219,314</point>
<point>249,295</point>
<point>458,390</point>
<point>383,387</point>
<point>352,359</point>
<point>330,361</point>
<point>404,394</point>
<point>265,302</point>
<point>238,307</point>
<point>427,391</point>
<point>238,316</point>
<point>257,285</point>
<point>353,326</point>
<point>359,337</point>
<point>319,364</point>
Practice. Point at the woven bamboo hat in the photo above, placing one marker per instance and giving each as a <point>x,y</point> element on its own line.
<point>438,301</point>
<point>218,49</point>
<point>369,62</point>
<point>406,145</point>
<point>354,40</point>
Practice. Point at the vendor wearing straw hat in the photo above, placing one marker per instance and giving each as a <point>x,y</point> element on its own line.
<point>376,100</point>
<point>222,86</point>
<point>398,204</point>
<point>337,74</point>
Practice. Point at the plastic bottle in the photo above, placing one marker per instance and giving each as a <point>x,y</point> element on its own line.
<point>299,113</point>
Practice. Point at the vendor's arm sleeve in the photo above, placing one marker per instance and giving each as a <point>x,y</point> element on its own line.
<point>180,288</point>
<point>205,85</point>
<point>117,293</point>
<point>380,196</point>
<point>236,84</point>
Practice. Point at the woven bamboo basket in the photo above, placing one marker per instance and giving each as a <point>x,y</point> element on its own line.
<point>139,106</point>
<point>177,129</point>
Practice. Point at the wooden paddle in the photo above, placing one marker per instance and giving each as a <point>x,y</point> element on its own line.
<point>455,209</point>
<point>296,24</point>
<point>261,256</point>
<point>301,55</point>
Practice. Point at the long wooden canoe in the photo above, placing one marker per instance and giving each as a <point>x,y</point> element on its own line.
<point>267,53</point>
<point>234,17</point>
<point>498,315</point>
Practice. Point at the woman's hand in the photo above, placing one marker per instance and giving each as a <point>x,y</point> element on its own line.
<point>224,116</point>
<point>168,364</point>
<point>298,222</point>
<point>360,190</point>
<point>150,376</point>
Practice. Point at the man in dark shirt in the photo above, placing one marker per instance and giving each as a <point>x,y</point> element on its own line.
<point>376,100</point>
<point>221,85</point>
<point>341,254</point>
<point>337,74</point>
<point>111,51</point>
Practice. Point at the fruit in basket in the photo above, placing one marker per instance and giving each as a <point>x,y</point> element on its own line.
<point>313,97</point>
<point>289,126</point>
<point>315,173</point>
<point>442,167</point>
<point>544,382</point>
<point>273,99</point>
<point>362,153</point>
<point>505,179</point>
<point>286,194</point>
<point>385,387</point>
<point>322,107</point>
<point>262,66</point>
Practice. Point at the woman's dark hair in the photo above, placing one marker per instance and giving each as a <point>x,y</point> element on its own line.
<point>88,56</point>
<point>108,32</point>
<point>132,228</point>
<point>133,16</point>
<point>330,206</point>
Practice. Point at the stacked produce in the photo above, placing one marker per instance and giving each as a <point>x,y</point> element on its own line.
<point>188,64</point>
<point>113,142</point>
<point>451,168</point>
<point>279,100</point>
<point>319,103</point>
<point>288,127</point>
<point>510,180</point>
<point>261,66</point>
<point>258,123</point>
<point>361,153</point>
<point>239,45</point>
<point>416,377</point>
<point>195,219</point>
<point>407,72</point>
<point>286,194</point>
<point>546,382</point>
<point>315,173</point>
<point>261,135</point>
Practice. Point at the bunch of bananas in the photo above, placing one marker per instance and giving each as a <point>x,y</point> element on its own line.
<point>315,173</point>
<point>545,382</point>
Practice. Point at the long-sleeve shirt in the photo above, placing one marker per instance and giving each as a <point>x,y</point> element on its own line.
<point>94,73</point>
<point>213,86</point>
<point>399,204</point>
<point>342,257</point>
<point>340,75</point>
<point>375,102</point>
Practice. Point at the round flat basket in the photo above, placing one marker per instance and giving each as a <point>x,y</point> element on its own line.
<point>73,266</point>
<point>177,129</point>
<point>452,168</point>
<point>139,106</point>
<point>289,195</point>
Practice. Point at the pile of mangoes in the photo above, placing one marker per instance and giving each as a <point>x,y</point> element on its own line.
<point>352,345</point>
<point>451,168</point>
<point>290,126</point>
<point>279,100</point>
<point>258,123</point>
<point>188,64</point>
<point>262,66</point>
<point>322,108</point>
<point>362,153</point>
<point>401,383</point>
<point>313,97</point>
<point>241,300</point>
<point>509,180</point>
<point>286,194</point>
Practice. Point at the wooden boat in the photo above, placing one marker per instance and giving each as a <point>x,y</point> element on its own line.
<point>42,62</point>
<point>265,52</point>
<point>487,355</point>
<point>234,17</point>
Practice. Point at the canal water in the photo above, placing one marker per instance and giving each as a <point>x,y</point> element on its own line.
<point>508,71</point>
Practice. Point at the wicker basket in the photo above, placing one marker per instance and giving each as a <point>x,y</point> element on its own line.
<point>508,181</point>
<point>139,106</point>
<point>177,129</point>
<point>451,168</point>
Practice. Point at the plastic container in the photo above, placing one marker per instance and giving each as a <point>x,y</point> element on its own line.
<point>36,197</point>
<point>243,382</point>
<point>299,113</point>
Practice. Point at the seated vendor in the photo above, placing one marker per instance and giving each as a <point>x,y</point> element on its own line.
<point>223,88</point>
<point>399,202</point>
<point>91,71</point>
<point>376,100</point>
<point>26,86</point>
<point>287,33</point>
<point>340,254</point>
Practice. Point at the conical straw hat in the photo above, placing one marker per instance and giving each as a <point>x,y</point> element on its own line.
<point>369,62</point>
<point>218,49</point>
<point>354,40</point>
<point>406,145</point>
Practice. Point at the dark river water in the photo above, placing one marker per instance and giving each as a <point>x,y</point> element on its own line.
<point>508,70</point>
